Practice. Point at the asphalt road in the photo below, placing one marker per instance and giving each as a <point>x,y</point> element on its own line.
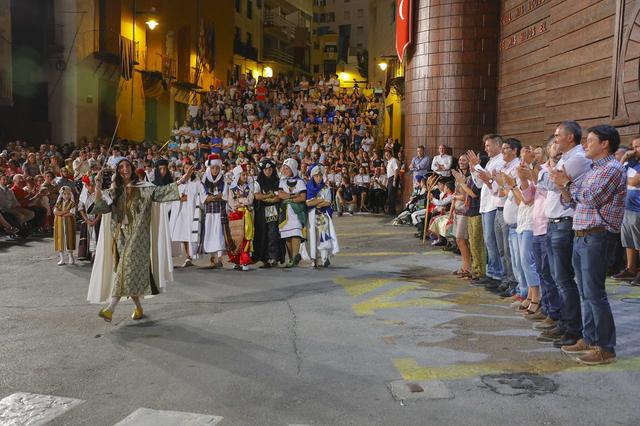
<point>311,347</point>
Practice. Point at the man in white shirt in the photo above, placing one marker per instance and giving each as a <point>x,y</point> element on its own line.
<point>393,180</point>
<point>482,178</point>
<point>568,136</point>
<point>442,162</point>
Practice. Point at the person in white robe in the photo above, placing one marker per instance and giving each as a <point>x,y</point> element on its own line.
<point>322,234</point>
<point>293,214</point>
<point>215,218</point>
<point>184,222</point>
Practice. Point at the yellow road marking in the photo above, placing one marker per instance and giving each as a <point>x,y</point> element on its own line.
<point>360,287</point>
<point>411,371</point>
<point>385,301</point>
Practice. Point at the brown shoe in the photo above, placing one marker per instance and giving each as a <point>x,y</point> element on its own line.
<point>546,324</point>
<point>597,356</point>
<point>536,316</point>
<point>580,348</point>
<point>625,275</point>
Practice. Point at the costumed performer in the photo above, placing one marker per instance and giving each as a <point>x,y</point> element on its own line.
<point>129,260</point>
<point>90,226</point>
<point>240,201</point>
<point>322,234</point>
<point>293,212</point>
<point>184,222</point>
<point>215,207</point>
<point>64,225</point>
<point>267,245</point>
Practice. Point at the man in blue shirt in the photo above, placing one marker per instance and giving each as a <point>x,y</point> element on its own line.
<point>420,164</point>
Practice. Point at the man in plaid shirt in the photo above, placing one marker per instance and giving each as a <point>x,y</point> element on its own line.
<point>599,198</point>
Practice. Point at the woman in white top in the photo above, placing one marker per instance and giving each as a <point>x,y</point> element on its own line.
<point>293,213</point>
<point>523,259</point>
<point>361,183</point>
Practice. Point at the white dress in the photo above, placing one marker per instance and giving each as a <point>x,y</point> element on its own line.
<point>292,227</point>
<point>184,223</point>
<point>322,234</point>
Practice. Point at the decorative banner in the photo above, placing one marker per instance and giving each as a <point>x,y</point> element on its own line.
<point>404,26</point>
<point>6,80</point>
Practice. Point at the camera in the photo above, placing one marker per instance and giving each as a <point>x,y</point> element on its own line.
<point>107,176</point>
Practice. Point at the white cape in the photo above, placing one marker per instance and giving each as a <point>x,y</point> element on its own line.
<point>101,282</point>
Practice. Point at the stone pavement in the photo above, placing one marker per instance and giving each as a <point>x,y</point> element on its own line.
<point>386,336</point>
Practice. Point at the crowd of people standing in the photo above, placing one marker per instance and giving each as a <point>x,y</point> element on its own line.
<point>540,226</point>
<point>257,169</point>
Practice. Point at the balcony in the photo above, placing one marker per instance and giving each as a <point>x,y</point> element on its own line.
<point>278,55</point>
<point>245,50</point>
<point>275,21</point>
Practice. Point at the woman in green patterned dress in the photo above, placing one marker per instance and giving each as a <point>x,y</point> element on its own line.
<point>130,203</point>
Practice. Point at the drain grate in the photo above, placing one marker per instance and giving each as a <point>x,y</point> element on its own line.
<point>529,384</point>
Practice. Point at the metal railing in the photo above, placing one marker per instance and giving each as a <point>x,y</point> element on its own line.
<point>279,55</point>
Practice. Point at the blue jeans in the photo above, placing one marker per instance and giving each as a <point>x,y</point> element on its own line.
<point>550,302</point>
<point>494,265</point>
<point>514,252</point>
<point>560,245</point>
<point>589,262</point>
<point>527,259</point>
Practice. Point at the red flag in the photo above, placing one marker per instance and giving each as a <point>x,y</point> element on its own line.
<point>404,19</point>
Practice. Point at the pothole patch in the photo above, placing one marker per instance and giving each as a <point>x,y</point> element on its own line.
<point>512,384</point>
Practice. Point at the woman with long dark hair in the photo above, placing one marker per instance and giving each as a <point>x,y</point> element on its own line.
<point>127,257</point>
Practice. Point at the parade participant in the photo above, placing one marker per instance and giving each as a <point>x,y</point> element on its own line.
<point>64,233</point>
<point>129,262</point>
<point>322,234</point>
<point>240,201</point>
<point>293,215</point>
<point>267,244</point>
<point>184,222</point>
<point>215,219</point>
<point>161,175</point>
<point>90,226</point>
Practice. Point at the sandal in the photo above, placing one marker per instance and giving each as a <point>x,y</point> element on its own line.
<point>529,311</point>
<point>524,307</point>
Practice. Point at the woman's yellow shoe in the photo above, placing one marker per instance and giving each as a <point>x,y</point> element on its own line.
<point>106,315</point>
<point>137,314</point>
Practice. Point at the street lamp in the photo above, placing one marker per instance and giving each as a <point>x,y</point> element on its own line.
<point>383,65</point>
<point>152,24</point>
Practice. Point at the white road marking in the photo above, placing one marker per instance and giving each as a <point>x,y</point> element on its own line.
<point>30,409</point>
<point>149,417</point>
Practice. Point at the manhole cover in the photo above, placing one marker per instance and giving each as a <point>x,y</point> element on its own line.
<point>529,384</point>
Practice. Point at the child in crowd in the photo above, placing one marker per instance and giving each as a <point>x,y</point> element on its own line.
<point>64,233</point>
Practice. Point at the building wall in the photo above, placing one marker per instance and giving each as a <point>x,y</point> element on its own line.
<point>450,75</point>
<point>380,43</point>
<point>562,60</point>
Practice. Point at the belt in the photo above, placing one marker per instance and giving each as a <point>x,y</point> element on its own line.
<point>499,208</point>
<point>590,231</point>
<point>561,219</point>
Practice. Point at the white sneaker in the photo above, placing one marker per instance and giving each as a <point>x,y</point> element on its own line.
<point>187,263</point>
<point>72,261</point>
<point>245,267</point>
<point>61,262</point>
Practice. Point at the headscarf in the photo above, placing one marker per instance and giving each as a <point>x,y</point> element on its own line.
<point>271,183</point>
<point>62,191</point>
<point>293,165</point>
<point>313,188</point>
<point>159,180</point>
